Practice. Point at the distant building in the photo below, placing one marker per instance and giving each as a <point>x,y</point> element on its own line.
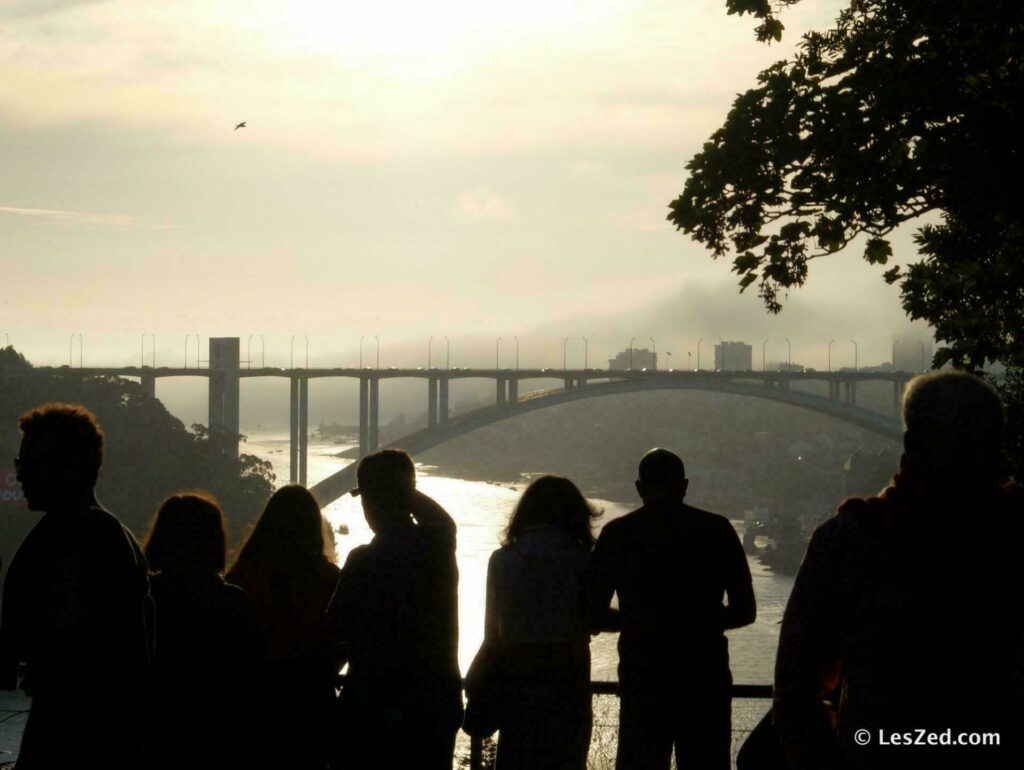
<point>787,367</point>
<point>640,358</point>
<point>734,357</point>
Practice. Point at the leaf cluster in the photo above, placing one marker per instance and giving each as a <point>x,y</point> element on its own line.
<point>904,107</point>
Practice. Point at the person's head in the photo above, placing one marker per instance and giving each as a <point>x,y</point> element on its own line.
<point>386,481</point>
<point>662,478</point>
<point>60,456</point>
<point>552,502</point>
<point>953,427</point>
<point>288,537</point>
<point>187,533</point>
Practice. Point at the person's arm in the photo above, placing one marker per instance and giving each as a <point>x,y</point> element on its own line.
<point>808,662</point>
<point>601,585</point>
<point>492,626</point>
<point>741,609</point>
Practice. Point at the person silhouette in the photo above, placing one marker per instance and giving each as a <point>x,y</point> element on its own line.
<point>395,612</point>
<point>202,662</point>
<point>537,620</point>
<point>671,566</point>
<point>288,579</point>
<point>76,606</point>
<point>911,600</point>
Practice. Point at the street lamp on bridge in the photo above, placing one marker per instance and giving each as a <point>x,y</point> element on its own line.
<point>789,354</point>
<point>855,366</point>
<point>894,344</point>
<point>764,366</point>
<point>830,355</point>
<point>517,352</point>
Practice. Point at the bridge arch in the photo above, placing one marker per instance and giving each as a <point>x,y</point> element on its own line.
<point>337,484</point>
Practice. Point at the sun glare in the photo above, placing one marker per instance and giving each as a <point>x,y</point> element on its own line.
<point>408,28</point>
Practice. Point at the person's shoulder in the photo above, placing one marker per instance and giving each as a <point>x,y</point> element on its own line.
<point>708,518</point>
<point>623,525</point>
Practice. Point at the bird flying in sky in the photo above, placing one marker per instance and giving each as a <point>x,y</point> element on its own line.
<point>240,125</point>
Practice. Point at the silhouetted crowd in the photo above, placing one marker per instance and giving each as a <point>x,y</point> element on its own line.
<point>906,618</point>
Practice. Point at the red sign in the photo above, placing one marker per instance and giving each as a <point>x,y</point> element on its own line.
<point>10,489</point>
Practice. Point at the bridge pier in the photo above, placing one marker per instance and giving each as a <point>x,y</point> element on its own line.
<point>303,428</point>
<point>364,415</point>
<point>223,393</point>
<point>373,430</point>
<point>432,402</point>
<point>513,391</point>
<point>149,385</point>
<point>848,392</point>
<point>500,382</point>
<point>443,401</point>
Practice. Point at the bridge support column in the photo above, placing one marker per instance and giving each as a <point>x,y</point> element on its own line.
<point>431,402</point>
<point>223,393</point>
<point>831,390</point>
<point>293,430</point>
<point>373,431</point>
<point>149,385</point>
<point>848,392</point>
<point>364,415</point>
<point>303,428</point>
<point>513,391</point>
<point>853,393</point>
<point>443,401</point>
<point>500,382</point>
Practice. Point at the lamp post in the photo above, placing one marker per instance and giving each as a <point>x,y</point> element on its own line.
<point>789,354</point>
<point>698,352</point>
<point>830,355</point>
<point>855,350</point>
<point>517,352</point>
<point>764,365</point>
<point>894,344</point>
<point>71,341</point>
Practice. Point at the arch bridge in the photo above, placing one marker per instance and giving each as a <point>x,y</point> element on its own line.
<point>225,373</point>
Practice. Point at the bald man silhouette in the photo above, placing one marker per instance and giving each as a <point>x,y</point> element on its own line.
<point>672,565</point>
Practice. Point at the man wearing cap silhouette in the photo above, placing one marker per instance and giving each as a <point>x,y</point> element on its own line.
<point>395,611</point>
<point>76,607</point>
<point>672,565</point>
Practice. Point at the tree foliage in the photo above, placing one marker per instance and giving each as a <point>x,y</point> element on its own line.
<point>903,108</point>
<point>148,452</point>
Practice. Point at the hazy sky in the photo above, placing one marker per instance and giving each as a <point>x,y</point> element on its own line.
<point>469,169</point>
